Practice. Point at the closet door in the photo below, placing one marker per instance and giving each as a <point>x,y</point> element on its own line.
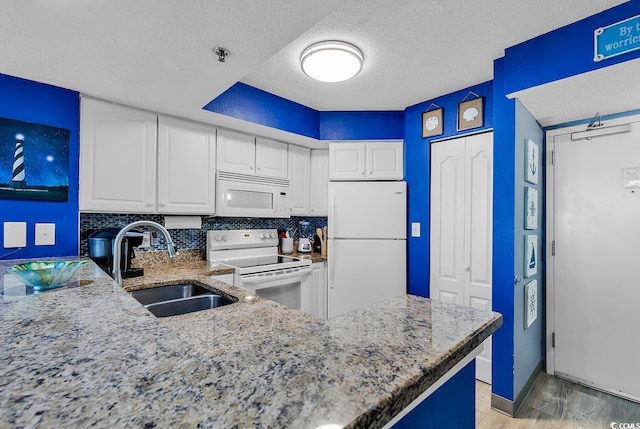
<point>461,227</point>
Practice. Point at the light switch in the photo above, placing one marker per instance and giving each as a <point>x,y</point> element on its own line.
<point>15,234</point>
<point>415,229</point>
<point>45,234</point>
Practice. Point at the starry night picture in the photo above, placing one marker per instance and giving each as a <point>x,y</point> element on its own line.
<point>34,161</point>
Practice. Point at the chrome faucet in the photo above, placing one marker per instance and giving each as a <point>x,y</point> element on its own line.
<point>117,245</point>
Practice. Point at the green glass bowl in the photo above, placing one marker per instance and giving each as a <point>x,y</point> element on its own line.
<point>44,275</point>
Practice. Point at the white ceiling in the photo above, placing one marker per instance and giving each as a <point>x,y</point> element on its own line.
<point>156,54</point>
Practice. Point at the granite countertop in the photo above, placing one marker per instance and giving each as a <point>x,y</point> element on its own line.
<point>89,354</point>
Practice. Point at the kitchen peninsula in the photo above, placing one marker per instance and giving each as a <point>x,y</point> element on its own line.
<point>88,354</point>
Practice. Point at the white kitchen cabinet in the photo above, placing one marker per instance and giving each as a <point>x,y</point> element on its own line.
<point>366,161</point>
<point>117,158</point>
<point>318,194</point>
<point>300,177</point>
<point>236,152</point>
<point>319,289</point>
<point>384,161</point>
<point>347,161</point>
<point>245,154</point>
<point>186,167</point>
<point>271,158</point>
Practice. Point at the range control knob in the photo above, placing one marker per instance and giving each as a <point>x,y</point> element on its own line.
<point>218,238</point>
<point>261,236</point>
<point>272,235</point>
<point>224,237</point>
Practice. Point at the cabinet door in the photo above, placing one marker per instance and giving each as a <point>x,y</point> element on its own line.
<point>319,290</point>
<point>300,177</point>
<point>117,158</point>
<point>271,158</point>
<point>385,161</point>
<point>186,167</point>
<point>347,161</point>
<point>318,198</point>
<point>236,152</point>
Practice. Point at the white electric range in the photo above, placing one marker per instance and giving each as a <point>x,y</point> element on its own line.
<point>253,253</point>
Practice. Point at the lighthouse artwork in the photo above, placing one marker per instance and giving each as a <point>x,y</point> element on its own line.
<point>34,161</point>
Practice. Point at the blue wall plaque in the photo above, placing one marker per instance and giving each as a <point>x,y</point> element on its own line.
<point>617,39</point>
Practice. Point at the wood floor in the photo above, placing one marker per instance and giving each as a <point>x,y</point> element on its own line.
<point>554,403</point>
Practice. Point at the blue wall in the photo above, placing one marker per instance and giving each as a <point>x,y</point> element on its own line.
<point>564,52</point>
<point>417,168</point>
<point>255,105</point>
<point>29,101</point>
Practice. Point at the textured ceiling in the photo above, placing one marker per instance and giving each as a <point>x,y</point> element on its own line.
<point>156,54</point>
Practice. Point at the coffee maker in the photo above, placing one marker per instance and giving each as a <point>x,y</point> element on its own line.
<point>101,251</point>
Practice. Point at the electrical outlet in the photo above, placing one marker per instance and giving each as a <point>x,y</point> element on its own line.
<point>15,234</point>
<point>45,234</point>
<point>155,240</point>
<point>415,229</point>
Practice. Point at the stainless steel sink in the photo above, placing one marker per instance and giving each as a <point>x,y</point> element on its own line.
<point>172,300</point>
<point>169,292</point>
<point>187,305</point>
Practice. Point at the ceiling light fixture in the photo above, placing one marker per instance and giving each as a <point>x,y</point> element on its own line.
<point>331,61</point>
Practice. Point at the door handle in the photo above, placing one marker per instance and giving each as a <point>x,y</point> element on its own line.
<point>467,268</point>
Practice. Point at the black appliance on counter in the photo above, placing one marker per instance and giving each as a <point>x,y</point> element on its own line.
<point>100,243</point>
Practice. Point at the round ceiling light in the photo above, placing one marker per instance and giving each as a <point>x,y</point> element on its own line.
<point>331,61</point>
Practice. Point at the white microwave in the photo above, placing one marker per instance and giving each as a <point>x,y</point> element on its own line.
<point>242,195</point>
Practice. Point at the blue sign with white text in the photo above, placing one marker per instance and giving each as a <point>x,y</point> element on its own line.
<point>617,39</point>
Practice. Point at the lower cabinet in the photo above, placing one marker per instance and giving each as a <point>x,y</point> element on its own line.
<point>318,295</point>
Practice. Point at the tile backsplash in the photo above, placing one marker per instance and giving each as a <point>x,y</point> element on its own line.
<point>185,238</point>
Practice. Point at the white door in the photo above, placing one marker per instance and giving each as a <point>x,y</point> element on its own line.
<point>300,177</point>
<point>271,158</point>
<point>461,227</point>
<point>367,210</point>
<point>186,167</point>
<point>596,233</point>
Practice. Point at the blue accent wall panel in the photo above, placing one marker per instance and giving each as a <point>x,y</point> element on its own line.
<point>355,125</point>
<point>503,234</point>
<point>255,105</point>
<point>563,52</point>
<point>451,406</point>
<point>30,101</point>
<point>417,171</point>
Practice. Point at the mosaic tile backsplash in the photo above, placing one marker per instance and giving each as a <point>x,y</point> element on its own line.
<point>185,238</point>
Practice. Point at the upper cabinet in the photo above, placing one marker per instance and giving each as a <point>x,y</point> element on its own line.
<point>117,158</point>
<point>245,154</point>
<point>318,198</point>
<point>300,177</point>
<point>131,161</point>
<point>236,152</point>
<point>366,161</point>
<point>186,167</point>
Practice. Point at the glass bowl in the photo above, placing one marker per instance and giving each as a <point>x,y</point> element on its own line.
<point>44,275</point>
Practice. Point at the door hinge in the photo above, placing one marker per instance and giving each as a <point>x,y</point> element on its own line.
<point>553,157</point>
<point>553,248</point>
<point>553,340</point>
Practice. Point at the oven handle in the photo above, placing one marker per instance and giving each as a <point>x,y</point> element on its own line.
<point>263,279</point>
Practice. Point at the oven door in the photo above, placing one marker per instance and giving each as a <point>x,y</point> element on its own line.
<point>290,287</point>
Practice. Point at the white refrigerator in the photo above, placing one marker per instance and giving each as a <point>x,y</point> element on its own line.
<point>367,232</point>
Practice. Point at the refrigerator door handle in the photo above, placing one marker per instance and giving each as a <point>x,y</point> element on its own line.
<point>332,273</point>
<point>332,212</point>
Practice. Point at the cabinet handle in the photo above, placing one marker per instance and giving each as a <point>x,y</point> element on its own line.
<point>162,205</point>
<point>259,168</point>
<point>251,167</point>
<point>148,204</point>
<point>363,173</point>
<point>467,268</point>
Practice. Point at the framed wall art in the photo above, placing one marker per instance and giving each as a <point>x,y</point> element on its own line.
<point>471,114</point>
<point>530,255</point>
<point>432,123</point>
<point>530,303</point>
<point>530,208</point>
<point>34,161</point>
<point>532,168</point>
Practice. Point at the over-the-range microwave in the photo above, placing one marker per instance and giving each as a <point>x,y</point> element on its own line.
<point>242,195</point>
